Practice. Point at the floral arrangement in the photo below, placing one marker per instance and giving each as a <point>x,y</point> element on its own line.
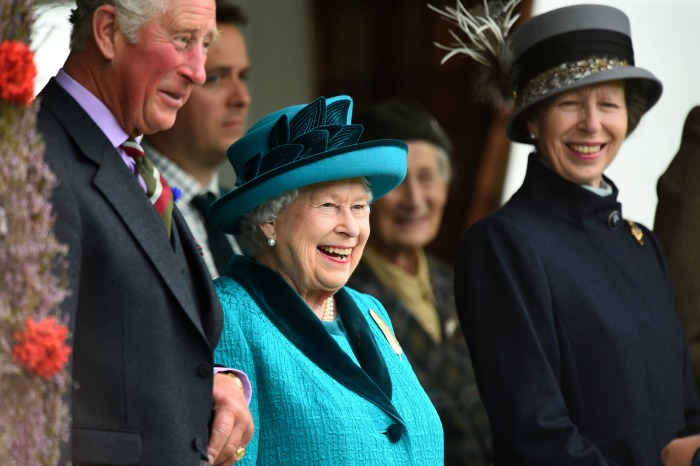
<point>17,72</point>
<point>34,417</point>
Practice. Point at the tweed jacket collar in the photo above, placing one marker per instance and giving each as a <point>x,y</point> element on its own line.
<point>290,314</point>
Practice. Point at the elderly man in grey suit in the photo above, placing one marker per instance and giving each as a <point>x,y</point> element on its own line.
<point>142,310</point>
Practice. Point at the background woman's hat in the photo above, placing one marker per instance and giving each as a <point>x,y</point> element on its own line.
<point>402,118</point>
<point>303,145</point>
<point>568,48</point>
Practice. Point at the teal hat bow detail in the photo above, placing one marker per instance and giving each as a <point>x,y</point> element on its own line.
<point>303,145</point>
<point>315,129</point>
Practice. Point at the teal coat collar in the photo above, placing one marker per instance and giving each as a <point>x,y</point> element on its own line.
<point>291,315</point>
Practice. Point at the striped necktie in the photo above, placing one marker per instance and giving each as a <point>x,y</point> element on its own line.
<point>157,189</point>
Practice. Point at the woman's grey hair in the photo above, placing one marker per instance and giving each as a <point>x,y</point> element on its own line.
<point>445,164</point>
<point>251,238</point>
<point>131,16</point>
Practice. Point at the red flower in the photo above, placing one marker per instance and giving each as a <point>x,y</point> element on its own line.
<point>17,72</point>
<point>41,347</point>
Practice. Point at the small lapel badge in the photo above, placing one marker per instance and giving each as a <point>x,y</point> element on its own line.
<point>636,232</point>
<point>387,333</point>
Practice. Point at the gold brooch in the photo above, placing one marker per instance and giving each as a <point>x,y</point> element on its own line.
<point>636,232</point>
<point>387,333</point>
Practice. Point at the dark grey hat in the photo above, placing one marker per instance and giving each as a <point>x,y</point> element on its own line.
<point>402,118</point>
<point>568,48</point>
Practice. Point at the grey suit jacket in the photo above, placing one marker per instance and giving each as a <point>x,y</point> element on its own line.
<point>143,313</point>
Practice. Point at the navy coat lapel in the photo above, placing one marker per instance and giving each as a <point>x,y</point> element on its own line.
<point>115,182</point>
<point>290,314</point>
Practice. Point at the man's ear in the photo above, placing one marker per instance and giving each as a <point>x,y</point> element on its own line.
<point>105,29</point>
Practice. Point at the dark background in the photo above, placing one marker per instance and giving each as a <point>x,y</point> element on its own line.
<point>372,50</point>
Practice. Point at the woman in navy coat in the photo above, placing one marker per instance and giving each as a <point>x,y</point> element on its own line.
<point>566,305</point>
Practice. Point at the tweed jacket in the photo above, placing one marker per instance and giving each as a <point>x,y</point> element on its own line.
<point>444,369</point>
<point>321,397</point>
<point>571,323</point>
<point>143,313</point>
<point>677,224</point>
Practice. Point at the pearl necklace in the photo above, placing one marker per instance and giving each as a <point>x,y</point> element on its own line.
<point>328,310</point>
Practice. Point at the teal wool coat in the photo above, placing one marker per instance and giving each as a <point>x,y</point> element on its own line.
<point>321,396</point>
<point>444,369</point>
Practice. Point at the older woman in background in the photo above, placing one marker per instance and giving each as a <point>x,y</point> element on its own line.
<point>330,382</point>
<point>567,306</point>
<point>416,287</point>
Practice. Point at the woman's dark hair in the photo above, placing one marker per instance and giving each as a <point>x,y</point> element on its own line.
<point>636,104</point>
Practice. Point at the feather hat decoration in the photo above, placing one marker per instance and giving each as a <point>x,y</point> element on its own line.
<point>485,29</point>
<point>549,54</point>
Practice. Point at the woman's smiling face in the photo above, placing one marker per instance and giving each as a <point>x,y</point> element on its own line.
<point>580,132</point>
<point>409,216</point>
<point>320,236</point>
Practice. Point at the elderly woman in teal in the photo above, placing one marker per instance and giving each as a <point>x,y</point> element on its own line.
<point>330,382</point>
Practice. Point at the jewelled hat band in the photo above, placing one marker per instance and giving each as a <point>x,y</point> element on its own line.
<point>563,76</point>
<point>568,47</point>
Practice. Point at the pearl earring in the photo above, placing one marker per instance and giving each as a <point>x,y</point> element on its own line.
<point>532,136</point>
<point>271,241</point>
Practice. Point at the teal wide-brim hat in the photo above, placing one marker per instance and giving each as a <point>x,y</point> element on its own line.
<point>303,145</point>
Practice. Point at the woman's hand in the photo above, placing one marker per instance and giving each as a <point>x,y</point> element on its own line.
<point>681,451</point>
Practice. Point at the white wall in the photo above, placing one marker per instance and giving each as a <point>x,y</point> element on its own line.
<point>50,39</point>
<point>665,35</point>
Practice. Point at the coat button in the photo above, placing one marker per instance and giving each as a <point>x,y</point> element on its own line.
<point>205,370</point>
<point>614,220</point>
<point>198,444</point>
<point>394,432</point>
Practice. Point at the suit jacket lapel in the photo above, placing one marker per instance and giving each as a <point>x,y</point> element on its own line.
<point>115,182</point>
<point>202,283</point>
<point>290,314</point>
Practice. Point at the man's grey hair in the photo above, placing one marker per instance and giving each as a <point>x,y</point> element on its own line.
<point>131,16</point>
